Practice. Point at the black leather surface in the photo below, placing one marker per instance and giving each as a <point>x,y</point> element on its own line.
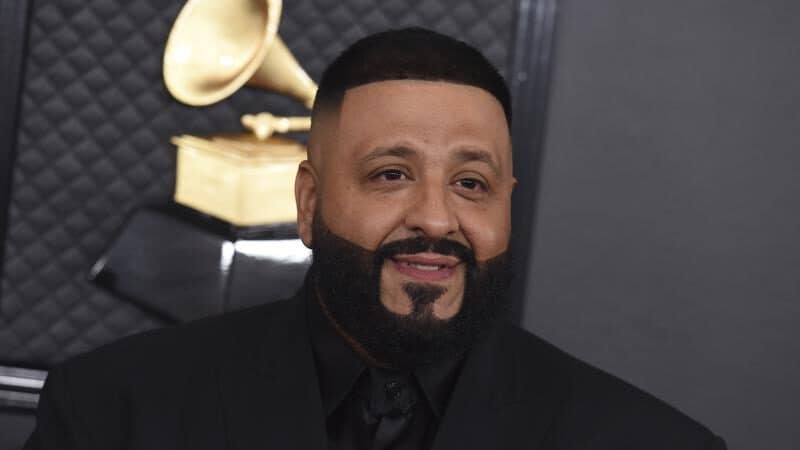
<point>183,265</point>
<point>93,143</point>
<point>13,31</point>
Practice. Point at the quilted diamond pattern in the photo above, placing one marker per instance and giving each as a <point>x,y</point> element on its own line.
<point>93,142</point>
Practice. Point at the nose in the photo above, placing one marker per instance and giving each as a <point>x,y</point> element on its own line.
<point>432,215</point>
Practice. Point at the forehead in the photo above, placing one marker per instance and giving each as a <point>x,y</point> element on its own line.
<point>431,114</point>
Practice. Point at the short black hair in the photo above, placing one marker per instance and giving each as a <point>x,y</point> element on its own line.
<point>409,54</point>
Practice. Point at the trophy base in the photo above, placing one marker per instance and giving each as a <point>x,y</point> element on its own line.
<point>183,265</point>
<point>238,178</point>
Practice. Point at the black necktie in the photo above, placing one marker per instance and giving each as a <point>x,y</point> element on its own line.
<point>390,406</point>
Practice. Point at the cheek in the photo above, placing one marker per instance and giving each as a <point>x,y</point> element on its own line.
<point>488,234</point>
<point>362,221</point>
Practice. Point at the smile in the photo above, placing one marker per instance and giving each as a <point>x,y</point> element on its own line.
<point>424,266</point>
<point>429,267</point>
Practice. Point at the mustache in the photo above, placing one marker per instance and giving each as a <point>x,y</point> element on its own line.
<point>422,244</point>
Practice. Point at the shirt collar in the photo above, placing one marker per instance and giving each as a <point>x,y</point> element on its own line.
<point>437,381</point>
<point>339,367</point>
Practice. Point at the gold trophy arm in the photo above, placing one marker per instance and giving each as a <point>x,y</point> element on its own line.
<point>263,125</point>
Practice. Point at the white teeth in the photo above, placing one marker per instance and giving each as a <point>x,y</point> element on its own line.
<point>424,266</point>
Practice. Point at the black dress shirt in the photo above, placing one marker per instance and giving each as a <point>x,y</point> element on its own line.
<point>349,386</point>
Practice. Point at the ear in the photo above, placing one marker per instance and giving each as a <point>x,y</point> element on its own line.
<point>305,194</point>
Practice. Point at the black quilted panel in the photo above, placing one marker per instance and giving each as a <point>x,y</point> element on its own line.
<point>93,142</point>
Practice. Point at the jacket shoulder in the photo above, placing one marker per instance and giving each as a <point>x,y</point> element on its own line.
<point>178,348</point>
<point>97,399</point>
<point>599,409</point>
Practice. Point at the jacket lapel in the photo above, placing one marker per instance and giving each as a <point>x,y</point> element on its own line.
<point>267,393</point>
<point>498,402</point>
<point>270,396</point>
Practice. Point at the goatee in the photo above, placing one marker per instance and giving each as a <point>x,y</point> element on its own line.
<point>346,279</point>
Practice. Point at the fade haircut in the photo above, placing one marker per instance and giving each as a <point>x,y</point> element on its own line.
<point>409,54</point>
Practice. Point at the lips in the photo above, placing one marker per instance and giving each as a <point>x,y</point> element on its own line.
<point>430,267</point>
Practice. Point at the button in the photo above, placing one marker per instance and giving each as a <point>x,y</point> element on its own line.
<point>393,389</point>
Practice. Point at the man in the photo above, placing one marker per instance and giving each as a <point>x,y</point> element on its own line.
<point>393,341</point>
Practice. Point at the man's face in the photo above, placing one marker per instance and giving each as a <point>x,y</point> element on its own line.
<point>412,158</point>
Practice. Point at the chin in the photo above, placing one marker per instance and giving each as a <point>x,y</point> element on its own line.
<point>446,310</point>
<point>442,310</point>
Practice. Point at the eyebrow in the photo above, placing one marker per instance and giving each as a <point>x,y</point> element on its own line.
<point>400,151</point>
<point>463,155</point>
<point>474,154</point>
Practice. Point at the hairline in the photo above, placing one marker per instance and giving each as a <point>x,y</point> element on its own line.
<point>332,106</point>
<point>333,102</point>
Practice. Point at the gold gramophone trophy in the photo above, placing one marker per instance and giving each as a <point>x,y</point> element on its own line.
<point>225,244</point>
<point>215,48</point>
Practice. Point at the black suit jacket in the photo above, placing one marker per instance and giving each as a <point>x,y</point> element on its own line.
<point>247,381</point>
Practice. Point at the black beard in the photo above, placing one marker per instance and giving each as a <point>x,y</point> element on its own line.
<point>346,279</point>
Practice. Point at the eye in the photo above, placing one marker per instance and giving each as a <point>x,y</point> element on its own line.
<point>472,184</point>
<point>389,175</point>
<point>392,175</point>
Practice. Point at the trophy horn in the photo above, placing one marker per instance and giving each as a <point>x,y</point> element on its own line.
<point>215,47</point>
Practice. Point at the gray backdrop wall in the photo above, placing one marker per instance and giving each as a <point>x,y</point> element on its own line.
<point>667,239</point>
